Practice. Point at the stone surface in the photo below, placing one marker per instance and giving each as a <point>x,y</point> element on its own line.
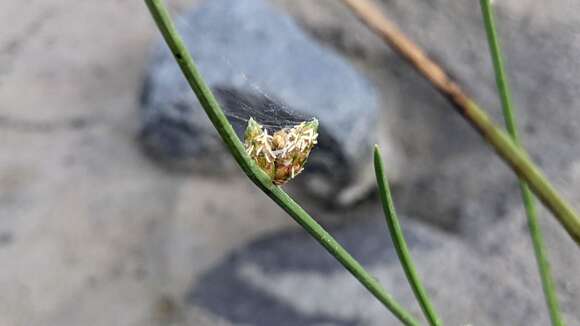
<point>287,279</point>
<point>261,64</point>
<point>508,247</point>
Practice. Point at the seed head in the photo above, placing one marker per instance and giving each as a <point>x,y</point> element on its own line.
<point>283,155</point>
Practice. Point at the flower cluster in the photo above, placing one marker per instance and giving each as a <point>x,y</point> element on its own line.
<point>281,155</point>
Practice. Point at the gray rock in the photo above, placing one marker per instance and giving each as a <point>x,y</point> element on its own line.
<point>255,57</point>
<point>508,249</point>
<point>288,279</point>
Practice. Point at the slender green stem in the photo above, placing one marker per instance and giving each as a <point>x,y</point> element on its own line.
<point>225,130</point>
<point>515,157</point>
<point>527,197</point>
<point>400,243</point>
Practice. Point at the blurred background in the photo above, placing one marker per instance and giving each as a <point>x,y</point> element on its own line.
<point>119,206</point>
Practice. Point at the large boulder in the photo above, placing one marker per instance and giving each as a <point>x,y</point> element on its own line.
<point>260,64</point>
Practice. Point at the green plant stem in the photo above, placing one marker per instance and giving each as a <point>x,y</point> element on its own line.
<point>211,107</point>
<point>515,157</point>
<point>525,169</point>
<point>527,197</point>
<point>399,241</point>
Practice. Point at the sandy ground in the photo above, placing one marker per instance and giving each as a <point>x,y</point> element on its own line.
<point>91,232</point>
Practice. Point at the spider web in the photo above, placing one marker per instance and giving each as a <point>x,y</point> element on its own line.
<point>250,101</point>
<point>272,114</point>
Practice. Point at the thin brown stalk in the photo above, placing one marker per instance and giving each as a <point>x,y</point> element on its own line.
<point>493,134</point>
